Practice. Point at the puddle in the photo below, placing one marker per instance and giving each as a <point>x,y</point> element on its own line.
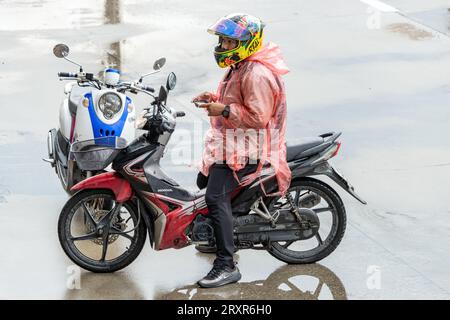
<point>290,282</point>
<point>51,15</point>
<point>112,16</point>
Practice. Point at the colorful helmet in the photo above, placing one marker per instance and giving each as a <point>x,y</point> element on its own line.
<point>246,29</point>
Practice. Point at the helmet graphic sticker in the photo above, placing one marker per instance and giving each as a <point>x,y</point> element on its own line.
<point>246,29</point>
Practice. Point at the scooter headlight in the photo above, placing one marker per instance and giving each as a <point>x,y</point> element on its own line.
<point>109,104</point>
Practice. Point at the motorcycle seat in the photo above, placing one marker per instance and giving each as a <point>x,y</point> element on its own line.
<point>294,149</point>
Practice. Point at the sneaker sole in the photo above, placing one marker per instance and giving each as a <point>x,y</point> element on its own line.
<point>207,249</point>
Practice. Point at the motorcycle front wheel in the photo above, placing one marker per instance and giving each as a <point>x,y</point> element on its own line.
<point>99,236</point>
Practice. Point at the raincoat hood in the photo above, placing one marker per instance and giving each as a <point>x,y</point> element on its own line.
<point>270,56</point>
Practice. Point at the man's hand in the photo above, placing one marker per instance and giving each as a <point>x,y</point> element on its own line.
<point>214,108</point>
<point>205,96</point>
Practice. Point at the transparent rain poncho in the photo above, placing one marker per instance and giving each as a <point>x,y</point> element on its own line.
<point>256,126</point>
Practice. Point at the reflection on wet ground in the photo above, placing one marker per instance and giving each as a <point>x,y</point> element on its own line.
<point>112,16</point>
<point>290,282</point>
<point>115,286</point>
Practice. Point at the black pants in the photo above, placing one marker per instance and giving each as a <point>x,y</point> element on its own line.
<point>219,185</point>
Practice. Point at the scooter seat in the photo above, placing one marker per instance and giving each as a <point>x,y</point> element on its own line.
<point>297,147</point>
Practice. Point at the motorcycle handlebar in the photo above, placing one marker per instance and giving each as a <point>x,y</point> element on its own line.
<point>148,88</point>
<point>165,127</point>
<point>67,74</point>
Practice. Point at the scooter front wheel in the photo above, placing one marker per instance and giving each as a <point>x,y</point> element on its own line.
<point>99,234</point>
<point>63,176</point>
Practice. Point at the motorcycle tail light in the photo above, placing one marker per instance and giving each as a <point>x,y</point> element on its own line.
<point>85,102</point>
<point>330,153</point>
<point>338,146</point>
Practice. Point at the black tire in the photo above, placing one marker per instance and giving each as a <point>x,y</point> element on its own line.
<point>62,173</point>
<point>107,266</point>
<point>331,242</point>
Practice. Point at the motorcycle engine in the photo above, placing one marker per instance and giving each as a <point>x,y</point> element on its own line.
<point>203,230</point>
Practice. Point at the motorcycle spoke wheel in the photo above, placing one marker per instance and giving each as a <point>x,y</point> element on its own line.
<point>331,214</point>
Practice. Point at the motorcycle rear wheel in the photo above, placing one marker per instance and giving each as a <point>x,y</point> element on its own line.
<point>285,251</point>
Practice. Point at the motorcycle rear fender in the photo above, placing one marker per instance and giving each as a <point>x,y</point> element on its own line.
<point>108,180</point>
<point>122,191</point>
<point>305,168</point>
<point>329,171</point>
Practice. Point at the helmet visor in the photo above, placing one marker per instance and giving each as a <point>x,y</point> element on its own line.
<point>228,28</point>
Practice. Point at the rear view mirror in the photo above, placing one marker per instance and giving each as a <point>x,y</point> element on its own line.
<point>156,67</point>
<point>61,50</point>
<point>159,63</point>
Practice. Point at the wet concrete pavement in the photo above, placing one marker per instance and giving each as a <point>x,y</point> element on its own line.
<point>377,75</point>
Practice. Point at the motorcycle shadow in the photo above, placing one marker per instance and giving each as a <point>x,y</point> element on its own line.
<point>289,282</point>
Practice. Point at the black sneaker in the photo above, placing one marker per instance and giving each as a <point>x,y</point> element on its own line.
<point>220,276</point>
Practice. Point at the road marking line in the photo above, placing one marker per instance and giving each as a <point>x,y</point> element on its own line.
<point>380,5</point>
<point>387,8</point>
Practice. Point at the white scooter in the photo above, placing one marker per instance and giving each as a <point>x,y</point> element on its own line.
<point>91,109</point>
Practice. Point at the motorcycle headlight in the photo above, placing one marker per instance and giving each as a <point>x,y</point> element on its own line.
<point>109,104</point>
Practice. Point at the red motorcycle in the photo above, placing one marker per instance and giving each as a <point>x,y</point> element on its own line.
<point>103,226</point>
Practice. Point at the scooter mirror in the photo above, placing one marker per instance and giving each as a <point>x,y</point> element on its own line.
<point>159,63</point>
<point>61,50</point>
<point>156,67</point>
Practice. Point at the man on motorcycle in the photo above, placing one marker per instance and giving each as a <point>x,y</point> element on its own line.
<point>250,98</point>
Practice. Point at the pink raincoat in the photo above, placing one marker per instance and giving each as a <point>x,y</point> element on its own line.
<point>256,126</point>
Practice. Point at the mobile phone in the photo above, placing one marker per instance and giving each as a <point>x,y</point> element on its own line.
<point>199,102</point>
